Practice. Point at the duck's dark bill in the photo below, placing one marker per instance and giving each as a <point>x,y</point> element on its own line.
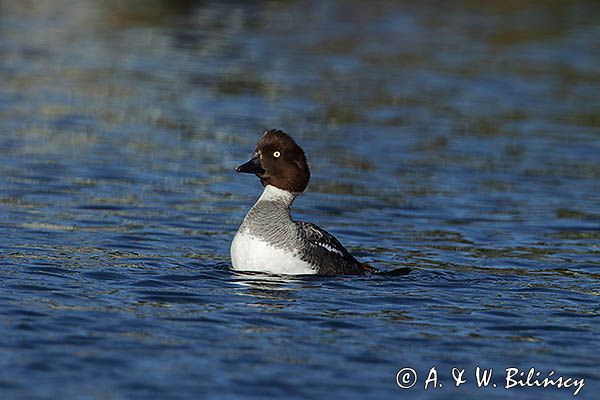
<point>253,166</point>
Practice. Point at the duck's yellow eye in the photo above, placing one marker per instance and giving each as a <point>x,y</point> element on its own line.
<point>276,154</point>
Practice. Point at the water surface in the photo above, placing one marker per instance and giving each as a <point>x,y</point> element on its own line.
<point>461,141</point>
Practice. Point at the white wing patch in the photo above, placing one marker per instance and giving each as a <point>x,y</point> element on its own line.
<point>319,234</point>
<point>330,248</point>
<point>319,237</point>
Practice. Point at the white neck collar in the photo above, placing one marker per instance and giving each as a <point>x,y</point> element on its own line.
<point>271,193</point>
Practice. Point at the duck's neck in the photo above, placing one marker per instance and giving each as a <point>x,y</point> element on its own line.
<point>271,210</point>
<point>278,196</point>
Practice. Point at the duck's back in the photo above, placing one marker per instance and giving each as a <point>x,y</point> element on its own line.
<point>324,252</point>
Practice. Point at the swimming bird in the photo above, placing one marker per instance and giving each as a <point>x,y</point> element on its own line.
<point>268,239</point>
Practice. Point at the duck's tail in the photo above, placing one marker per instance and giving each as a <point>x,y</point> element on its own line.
<point>394,272</point>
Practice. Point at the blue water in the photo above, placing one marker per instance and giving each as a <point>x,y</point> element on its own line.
<point>460,140</point>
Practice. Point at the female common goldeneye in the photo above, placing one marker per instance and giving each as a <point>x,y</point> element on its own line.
<point>268,239</point>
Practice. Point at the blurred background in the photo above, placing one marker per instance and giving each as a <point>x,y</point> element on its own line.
<point>458,138</point>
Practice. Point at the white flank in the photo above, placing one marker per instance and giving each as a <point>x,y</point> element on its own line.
<point>249,253</point>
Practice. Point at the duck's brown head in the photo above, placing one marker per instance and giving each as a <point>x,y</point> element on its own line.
<point>278,161</point>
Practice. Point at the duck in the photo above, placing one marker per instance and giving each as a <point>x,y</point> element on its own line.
<point>268,240</point>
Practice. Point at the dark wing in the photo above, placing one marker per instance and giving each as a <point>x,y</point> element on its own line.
<point>326,252</point>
